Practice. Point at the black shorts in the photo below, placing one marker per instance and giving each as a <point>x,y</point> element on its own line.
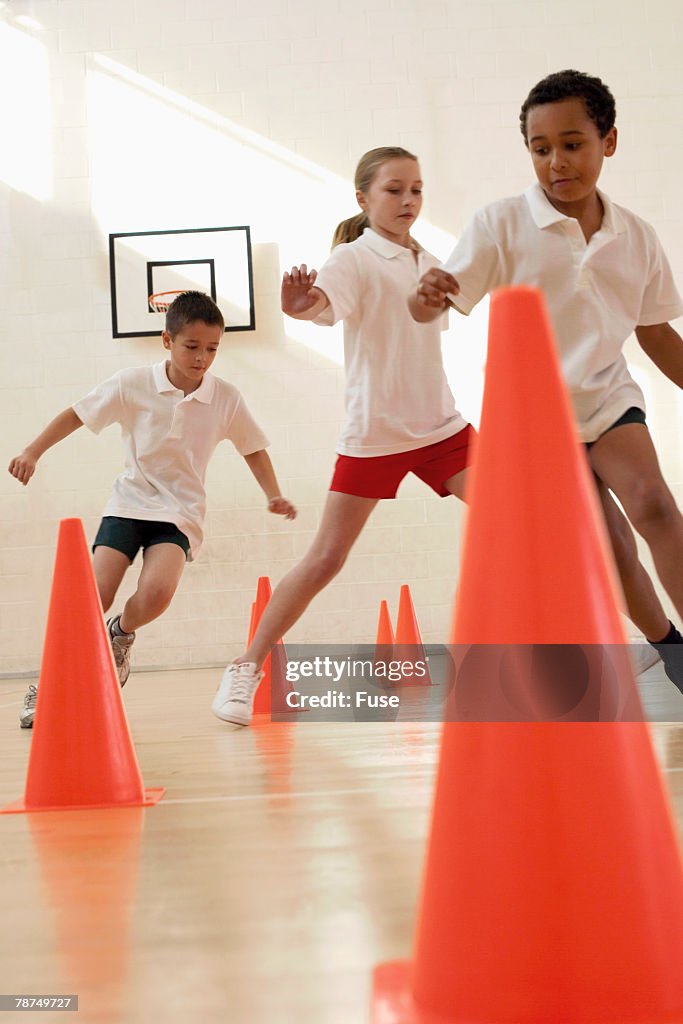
<point>129,535</point>
<point>632,415</point>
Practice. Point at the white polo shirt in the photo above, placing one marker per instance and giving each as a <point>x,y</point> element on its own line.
<point>596,292</point>
<point>397,395</point>
<point>168,439</point>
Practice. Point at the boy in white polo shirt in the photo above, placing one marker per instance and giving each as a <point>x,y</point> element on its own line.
<point>604,275</point>
<point>172,416</point>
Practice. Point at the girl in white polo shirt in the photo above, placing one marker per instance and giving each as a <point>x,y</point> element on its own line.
<point>172,416</point>
<point>401,417</point>
<point>604,274</point>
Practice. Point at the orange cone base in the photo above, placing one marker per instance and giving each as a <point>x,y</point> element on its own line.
<point>267,716</point>
<point>392,1000</point>
<point>151,796</point>
<point>393,1003</point>
<point>284,717</point>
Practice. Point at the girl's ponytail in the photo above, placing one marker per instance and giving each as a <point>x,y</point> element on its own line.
<point>351,229</point>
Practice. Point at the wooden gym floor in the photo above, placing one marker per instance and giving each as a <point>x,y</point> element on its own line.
<point>282,864</point>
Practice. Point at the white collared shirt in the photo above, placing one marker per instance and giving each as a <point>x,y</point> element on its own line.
<point>397,395</point>
<point>168,439</point>
<point>596,292</point>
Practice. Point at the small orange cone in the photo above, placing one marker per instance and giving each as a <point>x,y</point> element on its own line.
<point>384,646</point>
<point>273,688</point>
<point>385,637</point>
<point>82,754</point>
<point>385,631</point>
<point>252,623</point>
<point>408,642</point>
<point>552,889</point>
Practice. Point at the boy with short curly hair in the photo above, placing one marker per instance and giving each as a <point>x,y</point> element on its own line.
<point>604,275</point>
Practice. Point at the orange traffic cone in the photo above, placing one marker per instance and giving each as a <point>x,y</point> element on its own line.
<point>409,647</point>
<point>552,889</point>
<point>385,631</point>
<point>384,646</point>
<point>385,638</point>
<point>252,623</point>
<point>273,688</point>
<point>82,754</point>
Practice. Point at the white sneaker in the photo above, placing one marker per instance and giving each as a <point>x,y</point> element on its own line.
<point>29,708</point>
<point>234,700</point>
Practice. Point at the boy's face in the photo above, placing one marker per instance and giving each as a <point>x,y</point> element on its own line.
<point>192,351</point>
<point>567,151</point>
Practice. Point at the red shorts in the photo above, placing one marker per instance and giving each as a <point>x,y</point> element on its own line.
<point>380,475</point>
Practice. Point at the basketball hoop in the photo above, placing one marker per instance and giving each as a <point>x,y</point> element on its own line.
<point>160,301</point>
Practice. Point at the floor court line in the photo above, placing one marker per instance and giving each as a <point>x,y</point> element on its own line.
<point>285,795</point>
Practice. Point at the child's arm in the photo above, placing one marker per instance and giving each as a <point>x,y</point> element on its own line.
<point>432,295</point>
<point>23,466</point>
<point>664,346</point>
<point>262,468</point>
<point>299,298</point>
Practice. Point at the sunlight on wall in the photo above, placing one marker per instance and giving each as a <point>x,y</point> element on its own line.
<point>662,402</point>
<point>26,160</point>
<point>27,22</point>
<point>161,161</point>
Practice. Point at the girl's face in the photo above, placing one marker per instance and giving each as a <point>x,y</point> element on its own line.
<point>394,199</point>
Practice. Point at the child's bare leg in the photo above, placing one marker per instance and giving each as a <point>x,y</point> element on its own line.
<point>343,519</point>
<point>456,484</point>
<point>626,462</point>
<point>644,607</point>
<point>110,567</point>
<point>162,568</point>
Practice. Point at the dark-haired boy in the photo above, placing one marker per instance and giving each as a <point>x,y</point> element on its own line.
<point>172,416</point>
<point>604,274</point>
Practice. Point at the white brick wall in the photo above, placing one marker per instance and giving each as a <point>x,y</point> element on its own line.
<point>313,83</point>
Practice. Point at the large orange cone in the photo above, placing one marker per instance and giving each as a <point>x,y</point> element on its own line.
<point>409,646</point>
<point>82,754</point>
<point>552,889</point>
<point>273,688</point>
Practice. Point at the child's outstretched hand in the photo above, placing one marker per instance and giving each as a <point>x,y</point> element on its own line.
<point>297,294</point>
<point>434,288</point>
<point>279,506</point>
<point>23,467</point>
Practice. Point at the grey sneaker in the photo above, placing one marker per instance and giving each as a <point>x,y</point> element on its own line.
<point>29,708</point>
<point>121,646</point>
<point>234,700</point>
